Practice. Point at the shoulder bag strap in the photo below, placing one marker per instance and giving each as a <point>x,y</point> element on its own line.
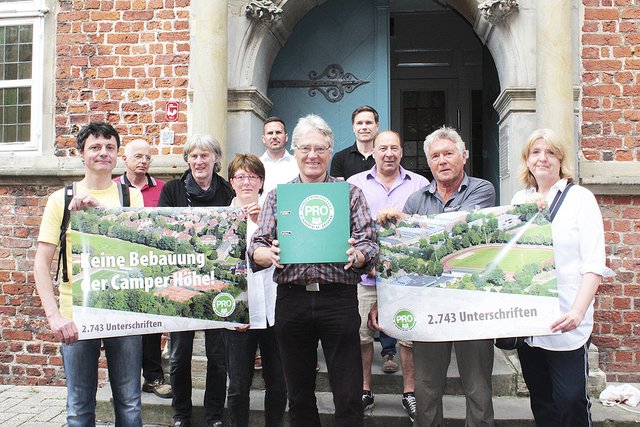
<point>557,201</point>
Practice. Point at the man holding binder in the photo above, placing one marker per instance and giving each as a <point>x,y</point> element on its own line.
<point>318,302</point>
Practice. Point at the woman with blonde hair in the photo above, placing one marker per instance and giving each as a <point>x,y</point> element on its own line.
<point>555,367</point>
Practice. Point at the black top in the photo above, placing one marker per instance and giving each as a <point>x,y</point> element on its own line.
<point>349,162</point>
<point>174,193</point>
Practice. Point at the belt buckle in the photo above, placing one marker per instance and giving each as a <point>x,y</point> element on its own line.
<point>313,287</point>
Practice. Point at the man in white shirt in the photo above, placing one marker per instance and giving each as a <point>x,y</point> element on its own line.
<point>280,166</point>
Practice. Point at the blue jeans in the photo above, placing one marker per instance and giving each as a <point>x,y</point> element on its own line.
<point>330,316</point>
<point>388,344</point>
<point>241,352</point>
<point>180,373</point>
<point>124,361</point>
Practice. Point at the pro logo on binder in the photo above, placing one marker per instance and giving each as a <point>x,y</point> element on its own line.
<point>316,212</point>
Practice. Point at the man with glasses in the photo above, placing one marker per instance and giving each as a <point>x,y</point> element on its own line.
<point>279,165</point>
<point>386,185</point>
<point>318,302</point>
<point>137,160</point>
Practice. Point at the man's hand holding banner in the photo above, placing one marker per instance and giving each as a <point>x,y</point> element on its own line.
<point>468,275</point>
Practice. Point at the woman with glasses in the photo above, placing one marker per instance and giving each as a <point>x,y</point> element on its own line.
<point>199,186</point>
<point>246,174</point>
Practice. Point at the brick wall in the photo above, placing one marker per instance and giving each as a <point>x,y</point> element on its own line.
<point>120,61</point>
<point>28,353</point>
<point>611,131</point>
<point>116,60</point>
<point>617,317</point>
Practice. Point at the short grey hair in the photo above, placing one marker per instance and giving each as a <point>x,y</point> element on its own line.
<point>445,132</point>
<point>310,124</point>
<point>204,142</point>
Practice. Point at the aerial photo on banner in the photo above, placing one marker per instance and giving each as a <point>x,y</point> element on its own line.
<point>468,275</point>
<point>147,270</point>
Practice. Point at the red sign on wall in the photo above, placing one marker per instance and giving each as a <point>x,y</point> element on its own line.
<point>171,111</point>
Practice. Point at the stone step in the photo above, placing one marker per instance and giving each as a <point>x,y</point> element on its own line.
<point>510,401</point>
<point>510,411</point>
<point>507,380</point>
<point>505,376</point>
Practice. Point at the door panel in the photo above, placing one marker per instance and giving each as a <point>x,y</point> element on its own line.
<point>435,55</point>
<point>419,107</point>
<point>351,33</point>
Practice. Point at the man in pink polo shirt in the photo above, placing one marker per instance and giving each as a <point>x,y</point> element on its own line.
<point>137,159</point>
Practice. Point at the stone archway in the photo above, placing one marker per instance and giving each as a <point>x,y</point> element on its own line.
<point>508,37</point>
<point>263,37</point>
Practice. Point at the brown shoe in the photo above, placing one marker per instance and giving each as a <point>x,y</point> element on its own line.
<point>389,366</point>
<point>157,387</point>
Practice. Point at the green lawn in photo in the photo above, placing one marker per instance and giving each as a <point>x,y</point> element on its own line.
<point>541,231</point>
<point>97,275</point>
<point>114,247</point>
<point>513,261</point>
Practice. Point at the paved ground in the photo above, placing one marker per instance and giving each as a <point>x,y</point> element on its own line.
<point>44,406</point>
<point>32,406</point>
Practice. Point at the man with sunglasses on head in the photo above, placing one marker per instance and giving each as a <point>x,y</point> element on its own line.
<point>137,161</point>
<point>385,185</point>
<point>318,302</point>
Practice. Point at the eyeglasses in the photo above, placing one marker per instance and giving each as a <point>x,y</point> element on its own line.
<point>252,178</point>
<point>140,157</point>
<point>306,149</point>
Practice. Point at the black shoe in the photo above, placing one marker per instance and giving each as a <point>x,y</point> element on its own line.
<point>181,423</point>
<point>409,404</point>
<point>367,400</point>
<point>214,424</point>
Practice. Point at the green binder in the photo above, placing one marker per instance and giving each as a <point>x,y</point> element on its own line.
<point>313,222</point>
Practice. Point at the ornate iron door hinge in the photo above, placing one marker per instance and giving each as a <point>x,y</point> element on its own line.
<point>332,83</point>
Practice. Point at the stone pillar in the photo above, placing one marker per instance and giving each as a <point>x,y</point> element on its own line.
<point>208,74</point>
<point>554,71</point>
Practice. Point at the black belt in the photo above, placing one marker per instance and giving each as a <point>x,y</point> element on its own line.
<point>310,286</point>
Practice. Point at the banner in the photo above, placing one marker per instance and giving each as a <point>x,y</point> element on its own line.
<point>147,270</point>
<point>468,275</point>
